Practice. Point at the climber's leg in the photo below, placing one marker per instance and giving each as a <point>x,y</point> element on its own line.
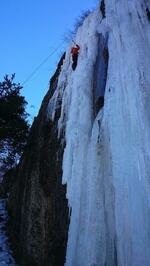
<point>75,60</point>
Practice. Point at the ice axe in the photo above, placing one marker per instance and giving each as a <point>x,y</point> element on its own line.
<point>74,42</point>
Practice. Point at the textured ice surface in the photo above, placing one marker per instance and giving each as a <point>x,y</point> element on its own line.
<point>106,163</point>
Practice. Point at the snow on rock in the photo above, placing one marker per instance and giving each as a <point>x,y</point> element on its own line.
<point>106,163</point>
<point>6,257</point>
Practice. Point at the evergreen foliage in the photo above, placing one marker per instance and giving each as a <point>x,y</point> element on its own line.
<point>13,123</point>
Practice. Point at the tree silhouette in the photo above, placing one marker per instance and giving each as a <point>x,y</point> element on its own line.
<point>13,123</point>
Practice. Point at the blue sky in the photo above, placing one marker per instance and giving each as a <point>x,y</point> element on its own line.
<point>29,31</point>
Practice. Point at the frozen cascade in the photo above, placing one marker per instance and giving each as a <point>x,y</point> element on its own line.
<point>106,158</point>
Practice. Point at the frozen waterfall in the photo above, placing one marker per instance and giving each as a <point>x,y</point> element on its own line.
<point>106,163</point>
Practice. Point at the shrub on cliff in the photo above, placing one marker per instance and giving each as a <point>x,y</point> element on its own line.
<point>70,35</point>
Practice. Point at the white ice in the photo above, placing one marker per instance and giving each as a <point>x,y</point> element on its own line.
<point>106,163</point>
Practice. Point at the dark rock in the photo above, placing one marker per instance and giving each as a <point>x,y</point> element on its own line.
<point>99,103</point>
<point>37,205</point>
<point>148,13</point>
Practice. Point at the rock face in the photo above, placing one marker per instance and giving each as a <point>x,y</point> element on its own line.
<point>37,204</point>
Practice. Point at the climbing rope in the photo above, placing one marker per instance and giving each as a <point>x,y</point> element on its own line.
<point>41,64</point>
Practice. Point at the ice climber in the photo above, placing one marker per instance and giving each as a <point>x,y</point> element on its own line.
<point>75,51</point>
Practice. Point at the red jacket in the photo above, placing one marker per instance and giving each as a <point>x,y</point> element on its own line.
<point>75,49</point>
